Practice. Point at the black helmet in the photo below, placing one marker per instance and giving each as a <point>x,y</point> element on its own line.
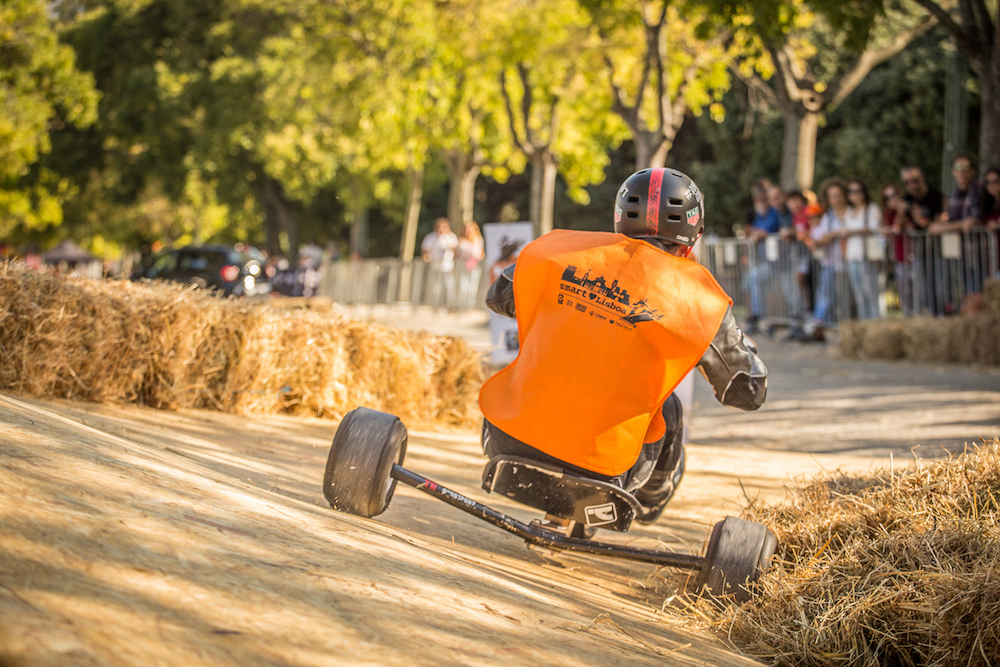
<point>660,203</point>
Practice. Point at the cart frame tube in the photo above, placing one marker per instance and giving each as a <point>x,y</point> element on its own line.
<point>542,536</point>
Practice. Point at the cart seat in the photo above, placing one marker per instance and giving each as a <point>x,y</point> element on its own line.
<point>589,502</point>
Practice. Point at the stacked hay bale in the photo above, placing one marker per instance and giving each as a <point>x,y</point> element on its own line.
<point>169,346</point>
<point>973,339</point>
<point>895,569</point>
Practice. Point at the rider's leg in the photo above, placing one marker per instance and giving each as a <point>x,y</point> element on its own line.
<point>669,468</point>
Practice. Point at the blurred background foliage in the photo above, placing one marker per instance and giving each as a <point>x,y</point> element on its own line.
<point>356,123</point>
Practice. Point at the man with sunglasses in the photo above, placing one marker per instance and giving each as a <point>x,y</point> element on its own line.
<point>923,203</point>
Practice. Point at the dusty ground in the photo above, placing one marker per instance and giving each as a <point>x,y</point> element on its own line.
<point>131,537</point>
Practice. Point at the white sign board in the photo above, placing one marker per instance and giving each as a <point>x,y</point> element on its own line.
<point>503,242</point>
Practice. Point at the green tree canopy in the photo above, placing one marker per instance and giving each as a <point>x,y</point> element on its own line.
<point>40,89</point>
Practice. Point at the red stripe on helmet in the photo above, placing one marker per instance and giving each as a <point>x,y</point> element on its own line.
<point>653,201</point>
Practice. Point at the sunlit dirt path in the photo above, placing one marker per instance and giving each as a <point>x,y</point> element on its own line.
<point>136,537</point>
<point>130,536</point>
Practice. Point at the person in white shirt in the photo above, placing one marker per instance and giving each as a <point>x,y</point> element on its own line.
<point>825,242</point>
<point>470,254</point>
<point>438,250</point>
<point>863,219</point>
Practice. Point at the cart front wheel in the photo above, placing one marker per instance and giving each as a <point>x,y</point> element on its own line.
<point>358,477</point>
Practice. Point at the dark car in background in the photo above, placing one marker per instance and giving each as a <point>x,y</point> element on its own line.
<point>233,271</point>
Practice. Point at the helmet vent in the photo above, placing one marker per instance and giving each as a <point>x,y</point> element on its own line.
<point>674,218</point>
<point>676,202</point>
<point>635,214</point>
<point>633,199</point>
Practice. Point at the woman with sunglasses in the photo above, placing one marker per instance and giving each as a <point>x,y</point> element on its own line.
<point>863,218</point>
<point>825,241</point>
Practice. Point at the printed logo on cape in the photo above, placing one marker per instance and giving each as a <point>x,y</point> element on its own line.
<point>612,299</point>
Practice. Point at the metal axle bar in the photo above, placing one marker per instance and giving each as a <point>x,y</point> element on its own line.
<point>543,536</point>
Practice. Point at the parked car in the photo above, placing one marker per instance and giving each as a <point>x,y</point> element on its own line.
<point>232,271</point>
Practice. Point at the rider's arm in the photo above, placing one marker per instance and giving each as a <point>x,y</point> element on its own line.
<point>500,296</point>
<point>732,367</point>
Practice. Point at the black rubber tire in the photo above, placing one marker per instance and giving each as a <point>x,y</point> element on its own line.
<point>738,552</point>
<point>358,477</point>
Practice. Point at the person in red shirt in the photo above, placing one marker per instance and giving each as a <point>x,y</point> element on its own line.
<point>608,326</point>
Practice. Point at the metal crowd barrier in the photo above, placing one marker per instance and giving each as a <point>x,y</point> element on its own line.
<point>389,280</point>
<point>776,279</point>
<point>779,280</point>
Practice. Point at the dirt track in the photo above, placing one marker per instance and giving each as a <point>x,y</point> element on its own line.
<point>132,537</point>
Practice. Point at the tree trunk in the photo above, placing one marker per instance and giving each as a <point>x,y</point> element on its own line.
<point>408,245</point>
<point>468,194</point>
<point>790,150</point>
<point>798,150</point>
<point>659,158</point>
<point>535,194</point>
<point>806,168</point>
<point>281,231</point>
<point>456,170</point>
<point>644,149</point>
<point>359,229</point>
<point>541,205</point>
<point>548,194</point>
<point>415,179</point>
<point>463,171</point>
<point>989,134</point>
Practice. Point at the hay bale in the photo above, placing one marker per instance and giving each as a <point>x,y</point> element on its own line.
<point>991,295</point>
<point>929,339</point>
<point>976,338</point>
<point>894,569</point>
<point>170,346</point>
<point>852,336</point>
<point>883,340</point>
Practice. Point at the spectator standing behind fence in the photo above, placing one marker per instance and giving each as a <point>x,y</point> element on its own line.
<point>470,253</point>
<point>991,211</point>
<point>965,203</point>
<point>991,198</point>
<point>806,214</point>
<point>826,240</point>
<point>963,216</point>
<point>766,221</point>
<point>438,250</point>
<point>918,209</point>
<point>863,218</point>
<point>758,198</point>
<point>787,256</point>
<point>894,229</point>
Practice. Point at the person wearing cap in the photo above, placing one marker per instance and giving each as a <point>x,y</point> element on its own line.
<point>609,324</point>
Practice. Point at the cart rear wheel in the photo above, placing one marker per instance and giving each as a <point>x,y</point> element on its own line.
<point>738,552</point>
<point>358,475</point>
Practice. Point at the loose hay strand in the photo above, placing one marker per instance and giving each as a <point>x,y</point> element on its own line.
<point>169,346</point>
